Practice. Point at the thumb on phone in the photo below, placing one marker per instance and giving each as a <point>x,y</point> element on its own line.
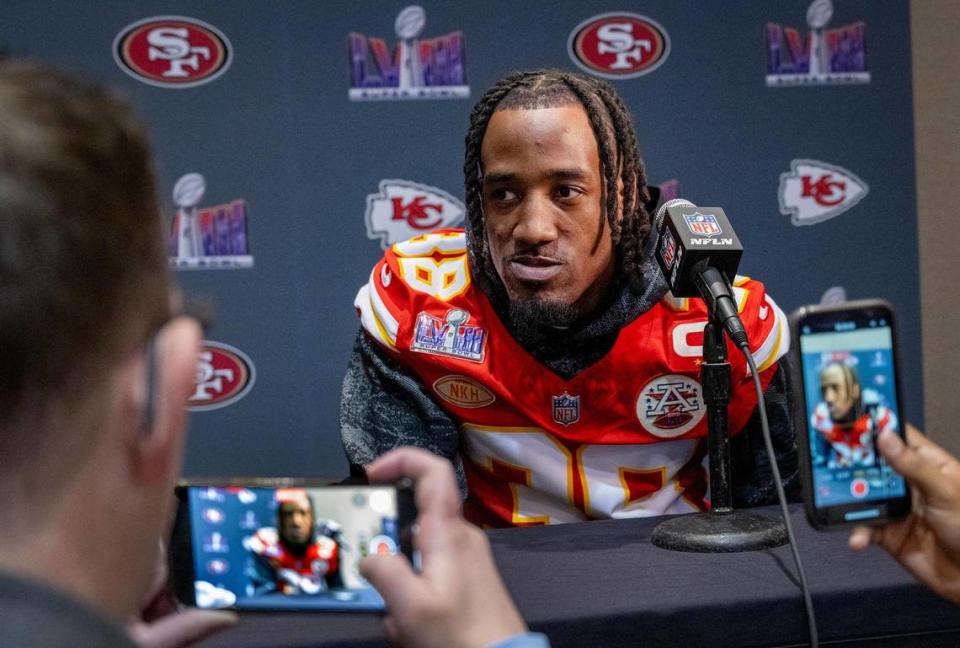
<point>920,461</point>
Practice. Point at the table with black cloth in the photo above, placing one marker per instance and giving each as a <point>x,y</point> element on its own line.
<point>605,584</point>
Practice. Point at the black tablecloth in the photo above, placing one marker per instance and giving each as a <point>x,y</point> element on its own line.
<point>604,584</point>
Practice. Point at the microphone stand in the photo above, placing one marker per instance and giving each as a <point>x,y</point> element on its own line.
<point>721,529</point>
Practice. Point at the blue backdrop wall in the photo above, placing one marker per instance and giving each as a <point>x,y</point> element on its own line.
<point>314,147</point>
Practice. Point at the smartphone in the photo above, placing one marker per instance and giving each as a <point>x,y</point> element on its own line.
<point>285,544</point>
<point>850,392</point>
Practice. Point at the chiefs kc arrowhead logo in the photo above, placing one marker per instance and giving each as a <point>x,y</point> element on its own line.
<point>403,209</point>
<point>815,191</point>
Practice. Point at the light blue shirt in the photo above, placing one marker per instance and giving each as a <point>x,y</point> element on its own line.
<point>524,640</point>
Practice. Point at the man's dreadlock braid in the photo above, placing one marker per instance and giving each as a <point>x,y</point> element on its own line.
<point>478,250</point>
<point>630,230</point>
<point>586,93</point>
<point>635,222</point>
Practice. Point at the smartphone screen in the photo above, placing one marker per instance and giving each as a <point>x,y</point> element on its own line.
<point>850,396</point>
<point>287,548</point>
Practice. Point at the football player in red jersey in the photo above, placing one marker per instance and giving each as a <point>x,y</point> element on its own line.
<point>293,558</point>
<point>849,418</point>
<point>540,349</point>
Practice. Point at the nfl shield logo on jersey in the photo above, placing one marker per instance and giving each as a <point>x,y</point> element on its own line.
<point>566,409</point>
<point>702,224</point>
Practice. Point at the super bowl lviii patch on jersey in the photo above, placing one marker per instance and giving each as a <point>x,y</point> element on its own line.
<point>449,336</point>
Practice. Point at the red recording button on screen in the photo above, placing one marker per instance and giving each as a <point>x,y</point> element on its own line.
<point>859,488</point>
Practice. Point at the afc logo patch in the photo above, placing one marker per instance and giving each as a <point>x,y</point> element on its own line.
<point>670,406</point>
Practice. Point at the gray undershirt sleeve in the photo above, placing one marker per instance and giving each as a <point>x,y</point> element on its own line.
<point>384,407</point>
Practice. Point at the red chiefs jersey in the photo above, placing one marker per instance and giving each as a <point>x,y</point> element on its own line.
<point>320,558</point>
<point>852,444</point>
<point>623,437</point>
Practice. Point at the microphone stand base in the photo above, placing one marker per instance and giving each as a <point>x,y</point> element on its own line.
<point>711,532</point>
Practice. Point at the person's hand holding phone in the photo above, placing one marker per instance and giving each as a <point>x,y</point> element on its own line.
<point>458,600</point>
<point>927,542</point>
<point>162,625</point>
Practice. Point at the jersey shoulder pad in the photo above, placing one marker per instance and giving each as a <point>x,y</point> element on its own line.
<point>820,419</point>
<point>325,546</point>
<point>886,419</point>
<point>765,323</point>
<point>428,266</point>
<point>264,541</point>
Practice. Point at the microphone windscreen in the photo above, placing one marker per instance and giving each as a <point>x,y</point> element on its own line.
<point>676,202</point>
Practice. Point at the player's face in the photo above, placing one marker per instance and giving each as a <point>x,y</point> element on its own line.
<point>296,522</point>
<point>542,195</point>
<point>836,394</point>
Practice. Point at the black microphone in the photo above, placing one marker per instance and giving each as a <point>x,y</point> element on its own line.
<point>698,253</point>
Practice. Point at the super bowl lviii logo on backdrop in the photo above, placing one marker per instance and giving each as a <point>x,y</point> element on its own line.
<point>172,51</point>
<point>815,191</point>
<point>619,45</point>
<point>417,68</point>
<point>822,56</point>
<point>209,237</point>
<point>225,374</point>
<point>403,209</point>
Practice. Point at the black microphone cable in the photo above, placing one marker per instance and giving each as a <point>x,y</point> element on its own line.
<point>782,497</point>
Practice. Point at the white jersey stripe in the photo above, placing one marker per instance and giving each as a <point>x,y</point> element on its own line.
<point>368,319</point>
<point>777,343</point>
<point>383,315</point>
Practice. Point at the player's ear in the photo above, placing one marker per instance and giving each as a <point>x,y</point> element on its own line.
<point>170,371</point>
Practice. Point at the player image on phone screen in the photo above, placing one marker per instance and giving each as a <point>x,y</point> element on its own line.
<point>850,416</point>
<point>300,555</point>
<point>850,395</point>
<point>288,547</point>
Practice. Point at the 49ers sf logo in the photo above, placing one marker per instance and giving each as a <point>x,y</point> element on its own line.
<point>172,51</point>
<point>224,375</point>
<point>619,45</point>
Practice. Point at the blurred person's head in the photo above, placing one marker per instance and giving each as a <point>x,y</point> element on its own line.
<point>295,519</point>
<point>840,388</point>
<point>91,412</point>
